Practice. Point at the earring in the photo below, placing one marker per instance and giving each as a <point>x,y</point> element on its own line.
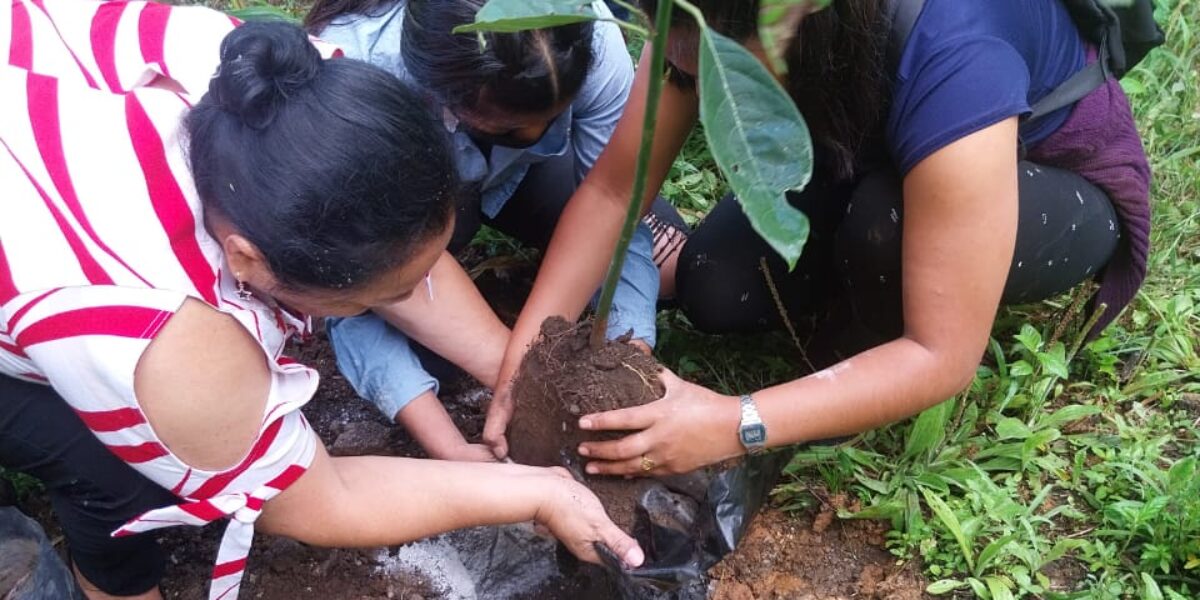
<point>243,293</point>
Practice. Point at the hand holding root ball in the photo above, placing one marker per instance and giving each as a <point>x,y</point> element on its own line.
<point>574,515</point>
<point>688,428</point>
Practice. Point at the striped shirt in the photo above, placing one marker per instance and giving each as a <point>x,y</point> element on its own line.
<point>102,240</point>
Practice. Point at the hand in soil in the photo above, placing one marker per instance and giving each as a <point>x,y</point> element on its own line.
<point>499,413</point>
<point>689,428</point>
<point>575,516</point>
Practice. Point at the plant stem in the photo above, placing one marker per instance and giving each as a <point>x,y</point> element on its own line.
<point>662,25</point>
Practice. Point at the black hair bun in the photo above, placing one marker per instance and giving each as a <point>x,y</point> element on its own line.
<point>262,63</point>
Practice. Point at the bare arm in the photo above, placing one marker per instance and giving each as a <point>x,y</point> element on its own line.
<point>959,232</point>
<point>452,319</point>
<point>203,384</point>
<point>583,242</point>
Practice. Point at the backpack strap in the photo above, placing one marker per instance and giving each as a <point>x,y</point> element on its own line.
<point>1075,88</point>
<point>902,15</point>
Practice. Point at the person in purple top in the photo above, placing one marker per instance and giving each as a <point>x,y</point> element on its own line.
<point>934,200</point>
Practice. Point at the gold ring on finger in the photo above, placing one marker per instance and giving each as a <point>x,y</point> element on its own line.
<point>647,463</point>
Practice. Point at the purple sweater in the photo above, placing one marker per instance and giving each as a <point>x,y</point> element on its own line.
<point>1100,141</point>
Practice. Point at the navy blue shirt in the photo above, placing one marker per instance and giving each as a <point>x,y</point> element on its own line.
<point>969,64</point>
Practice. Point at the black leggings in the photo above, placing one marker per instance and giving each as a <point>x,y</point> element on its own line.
<point>1066,232</point>
<point>92,491</point>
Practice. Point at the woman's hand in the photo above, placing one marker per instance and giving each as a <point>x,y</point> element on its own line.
<point>575,516</point>
<point>689,428</point>
<point>499,413</point>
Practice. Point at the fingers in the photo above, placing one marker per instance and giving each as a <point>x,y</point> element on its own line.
<point>625,419</point>
<point>627,447</point>
<point>631,467</point>
<point>496,425</point>
<point>622,545</point>
<point>493,436</point>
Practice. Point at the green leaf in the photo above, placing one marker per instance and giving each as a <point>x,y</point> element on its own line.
<point>263,12</point>
<point>1021,368</point>
<point>942,511</point>
<point>1181,474</point>
<point>979,589</point>
<point>507,16</point>
<point>1030,338</point>
<point>1012,429</point>
<point>1054,361</point>
<point>1036,441</point>
<point>929,430</point>
<point>778,22</point>
<point>945,586</point>
<point>1150,589</point>
<point>992,550</point>
<point>999,588</point>
<point>757,138</point>
<point>1069,414</point>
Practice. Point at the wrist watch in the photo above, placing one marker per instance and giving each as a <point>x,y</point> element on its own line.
<point>752,432</point>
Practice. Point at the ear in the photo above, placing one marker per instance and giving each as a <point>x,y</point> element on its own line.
<point>247,262</point>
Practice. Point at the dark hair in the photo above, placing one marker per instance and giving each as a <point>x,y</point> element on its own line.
<point>333,169</point>
<point>526,71</point>
<point>836,70</point>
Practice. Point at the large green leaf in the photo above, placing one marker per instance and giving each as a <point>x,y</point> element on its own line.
<point>757,138</point>
<point>507,16</point>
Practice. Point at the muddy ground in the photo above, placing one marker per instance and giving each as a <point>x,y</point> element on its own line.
<point>792,556</point>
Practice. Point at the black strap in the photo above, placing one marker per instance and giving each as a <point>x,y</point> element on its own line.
<point>903,16</point>
<point>1072,90</point>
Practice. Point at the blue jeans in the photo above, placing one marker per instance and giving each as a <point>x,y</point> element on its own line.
<point>379,361</point>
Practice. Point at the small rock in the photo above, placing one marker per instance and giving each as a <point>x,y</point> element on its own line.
<point>363,437</point>
<point>822,522</point>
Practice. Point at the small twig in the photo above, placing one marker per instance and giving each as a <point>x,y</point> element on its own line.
<point>1079,534</point>
<point>762,266</point>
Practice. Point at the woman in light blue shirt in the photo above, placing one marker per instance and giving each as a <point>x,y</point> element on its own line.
<point>529,114</point>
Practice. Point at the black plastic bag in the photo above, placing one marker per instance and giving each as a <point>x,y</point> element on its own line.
<point>30,569</point>
<point>689,523</point>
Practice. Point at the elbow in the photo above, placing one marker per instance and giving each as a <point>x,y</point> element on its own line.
<point>952,368</point>
<point>959,377</point>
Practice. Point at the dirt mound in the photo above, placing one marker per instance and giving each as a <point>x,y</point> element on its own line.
<point>563,378</point>
<point>814,557</point>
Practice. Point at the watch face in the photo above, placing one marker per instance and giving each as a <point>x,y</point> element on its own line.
<point>754,435</point>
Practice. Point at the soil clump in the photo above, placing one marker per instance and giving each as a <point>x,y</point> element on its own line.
<point>814,556</point>
<point>563,378</point>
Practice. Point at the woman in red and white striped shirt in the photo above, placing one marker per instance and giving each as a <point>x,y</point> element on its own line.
<point>163,232</point>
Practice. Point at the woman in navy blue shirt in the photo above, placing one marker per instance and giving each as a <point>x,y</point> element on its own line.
<point>931,203</point>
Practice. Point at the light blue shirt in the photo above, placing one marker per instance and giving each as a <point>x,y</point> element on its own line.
<point>584,128</point>
<point>375,358</point>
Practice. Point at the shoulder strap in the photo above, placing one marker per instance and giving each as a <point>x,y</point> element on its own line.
<point>903,16</point>
<point>1075,88</point>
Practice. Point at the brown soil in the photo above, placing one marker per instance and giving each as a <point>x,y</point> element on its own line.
<point>563,378</point>
<point>814,556</point>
